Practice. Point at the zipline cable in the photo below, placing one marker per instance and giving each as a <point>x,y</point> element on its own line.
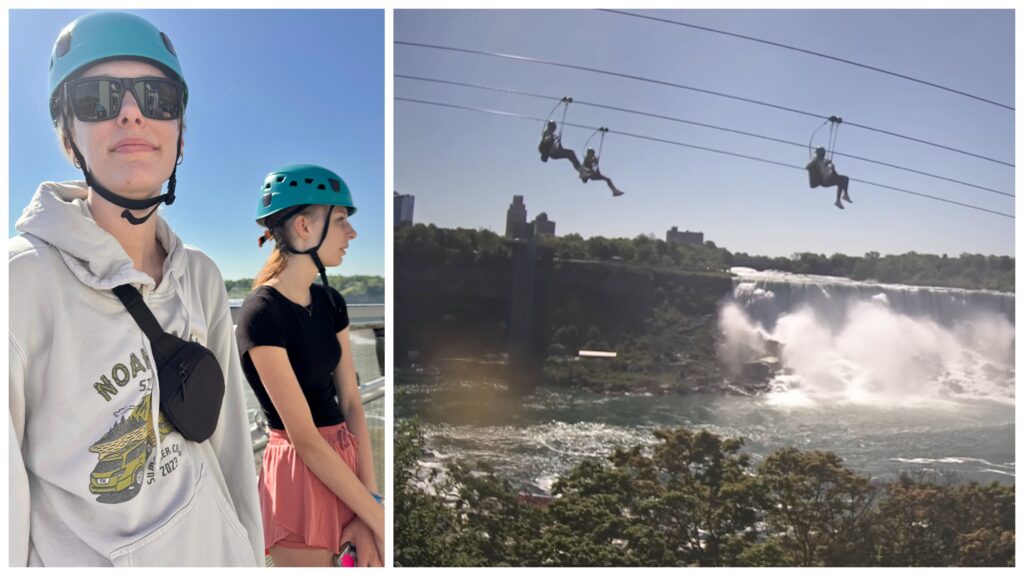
<point>703,125</point>
<point>694,146</point>
<point>811,52</point>
<point>691,88</point>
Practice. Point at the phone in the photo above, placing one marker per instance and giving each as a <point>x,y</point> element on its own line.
<point>347,557</point>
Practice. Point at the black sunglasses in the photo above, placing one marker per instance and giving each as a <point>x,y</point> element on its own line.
<point>98,98</point>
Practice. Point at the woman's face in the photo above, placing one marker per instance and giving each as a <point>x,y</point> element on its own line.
<point>339,233</point>
<point>130,154</point>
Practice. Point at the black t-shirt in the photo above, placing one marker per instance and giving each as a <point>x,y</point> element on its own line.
<point>309,335</point>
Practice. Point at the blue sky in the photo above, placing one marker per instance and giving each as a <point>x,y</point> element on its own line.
<point>464,167</point>
<point>266,89</point>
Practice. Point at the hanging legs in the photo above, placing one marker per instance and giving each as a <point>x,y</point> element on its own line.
<point>559,152</point>
<point>842,184</point>
<point>598,176</point>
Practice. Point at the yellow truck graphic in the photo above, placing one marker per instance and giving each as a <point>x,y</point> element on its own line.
<point>123,452</point>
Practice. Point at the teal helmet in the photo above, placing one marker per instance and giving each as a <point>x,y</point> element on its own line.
<point>106,35</point>
<point>301,185</point>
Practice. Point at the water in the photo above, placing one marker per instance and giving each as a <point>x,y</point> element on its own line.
<point>872,344</point>
<point>890,378</point>
<point>770,295</point>
<point>535,440</point>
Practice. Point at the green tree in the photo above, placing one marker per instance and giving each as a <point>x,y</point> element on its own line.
<point>691,500</point>
<point>706,502</point>
<point>589,519</point>
<point>815,508</point>
<point>427,531</point>
<point>924,522</point>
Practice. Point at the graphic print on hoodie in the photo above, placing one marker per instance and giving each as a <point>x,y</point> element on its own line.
<point>123,452</point>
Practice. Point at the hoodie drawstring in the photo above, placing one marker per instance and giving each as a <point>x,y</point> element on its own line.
<point>154,400</point>
<point>186,302</point>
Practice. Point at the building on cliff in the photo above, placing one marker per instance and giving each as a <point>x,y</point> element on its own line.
<point>674,236</point>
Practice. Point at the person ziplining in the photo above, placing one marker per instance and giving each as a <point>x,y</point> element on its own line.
<point>821,171</point>
<point>551,146</point>
<point>591,170</point>
<point>551,138</point>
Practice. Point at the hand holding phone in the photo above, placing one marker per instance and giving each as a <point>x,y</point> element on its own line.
<point>347,557</point>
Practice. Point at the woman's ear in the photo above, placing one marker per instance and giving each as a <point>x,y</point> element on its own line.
<point>303,226</point>
<point>298,225</point>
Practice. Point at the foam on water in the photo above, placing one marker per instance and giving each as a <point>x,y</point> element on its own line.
<point>845,341</point>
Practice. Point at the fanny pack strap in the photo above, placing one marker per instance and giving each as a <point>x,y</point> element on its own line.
<point>163,347</point>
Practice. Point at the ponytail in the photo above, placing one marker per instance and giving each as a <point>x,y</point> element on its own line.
<point>276,231</point>
<point>271,269</point>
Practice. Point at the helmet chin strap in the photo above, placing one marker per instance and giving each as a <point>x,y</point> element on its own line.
<point>127,203</point>
<point>312,252</point>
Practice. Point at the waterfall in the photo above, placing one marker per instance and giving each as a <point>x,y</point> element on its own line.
<point>868,342</point>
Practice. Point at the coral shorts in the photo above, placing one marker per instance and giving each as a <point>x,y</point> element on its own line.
<point>299,511</point>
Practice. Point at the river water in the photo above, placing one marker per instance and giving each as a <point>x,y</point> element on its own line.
<point>533,441</point>
<point>891,378</point>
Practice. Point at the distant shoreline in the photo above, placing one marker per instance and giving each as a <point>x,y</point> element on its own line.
<point>357,289</point>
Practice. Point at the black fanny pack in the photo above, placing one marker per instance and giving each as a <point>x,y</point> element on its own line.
<point>191,381</point>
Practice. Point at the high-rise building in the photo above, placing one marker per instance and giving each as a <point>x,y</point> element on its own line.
<point>542,226</point>
<point>516,216</point>
<point>404,205</point>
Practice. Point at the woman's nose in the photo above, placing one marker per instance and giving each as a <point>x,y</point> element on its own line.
<point>130,111</point>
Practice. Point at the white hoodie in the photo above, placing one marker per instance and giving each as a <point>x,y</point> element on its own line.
<point>90,483</point>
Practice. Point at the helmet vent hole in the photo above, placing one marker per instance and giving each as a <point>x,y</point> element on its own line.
<point>167,43</point>
<point>293,183</point>
<point>63,44</point>
<point>309,180</point>
<point>266,186</point>
<point>280,178</point>
<point>266,199</point>
<point>335,184</point>
<point>321,187</point>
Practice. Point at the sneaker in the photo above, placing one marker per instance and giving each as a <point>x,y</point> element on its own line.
<point>584,175</point>
<point>839,205</point>
<point>847,198</point>
<point>618,193</point>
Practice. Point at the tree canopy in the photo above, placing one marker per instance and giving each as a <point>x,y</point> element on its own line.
<point>694,498</point>
<point>970,271</point>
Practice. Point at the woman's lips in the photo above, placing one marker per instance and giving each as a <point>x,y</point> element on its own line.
<point>132,145</point>
<point>134,148</point>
